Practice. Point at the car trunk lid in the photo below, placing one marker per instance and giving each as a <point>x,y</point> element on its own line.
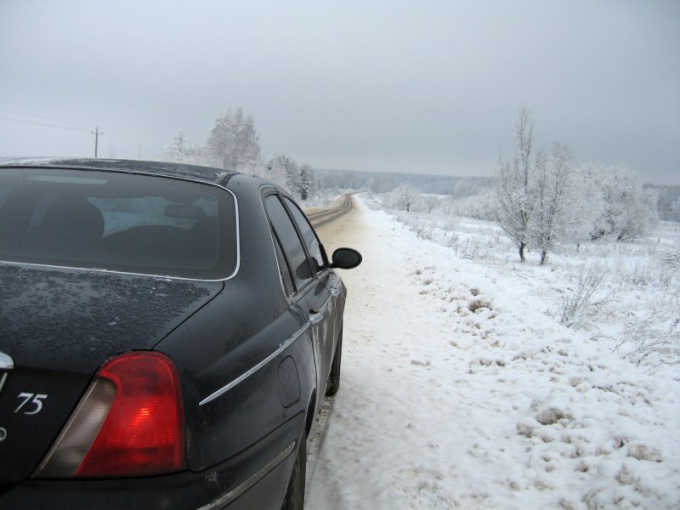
<point>57,327</point>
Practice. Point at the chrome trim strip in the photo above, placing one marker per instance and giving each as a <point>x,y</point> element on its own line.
<point>251,480</point>
<point>237,219</point>
<point>111,271</point>
<point>2,381</point>
<point>254,369</point>
<point>6,363</point>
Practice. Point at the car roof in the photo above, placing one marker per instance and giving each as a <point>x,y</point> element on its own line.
<point>160,168</point>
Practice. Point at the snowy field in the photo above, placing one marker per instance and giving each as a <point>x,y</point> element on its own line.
<point>462,386</point>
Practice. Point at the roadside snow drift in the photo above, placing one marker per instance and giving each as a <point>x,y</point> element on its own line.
<point>459,391</point>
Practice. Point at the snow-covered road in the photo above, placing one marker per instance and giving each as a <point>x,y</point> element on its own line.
<point>459,392</point>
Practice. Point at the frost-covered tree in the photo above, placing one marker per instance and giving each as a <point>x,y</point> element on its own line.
<point>482,205</point>
<point>292,174</point>
<point>675,210</point>
<point>308,186</point>
<point>176,148</point>
<point>282,170</point>
<point>298,180</point>
<point>516,187</point>
<point>426,203</point>
<point>403,197</point>
<point>585,206</point>
<point>554,209</point>
<point>545,199</point>
<point>233,143</point>
<point>180,150</point>
<point>668,201</point>
<point>628,210</point>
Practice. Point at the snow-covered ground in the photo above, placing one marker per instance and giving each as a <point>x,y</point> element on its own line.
<point>461,389</point>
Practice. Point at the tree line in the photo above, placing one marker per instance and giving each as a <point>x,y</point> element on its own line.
<point>233,144</point>
<point>539,197</point>
<point>542,198</point>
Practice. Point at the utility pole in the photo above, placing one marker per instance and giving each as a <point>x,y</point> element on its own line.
<point>96,134</point>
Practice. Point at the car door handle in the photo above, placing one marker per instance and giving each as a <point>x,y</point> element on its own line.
<point>315,317</point>
<point>335,291</point>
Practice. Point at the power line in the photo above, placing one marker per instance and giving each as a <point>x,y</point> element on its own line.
<point>46,118</point>
<point>86,128</point>
<point>36,123</point>
<point>96,132</point>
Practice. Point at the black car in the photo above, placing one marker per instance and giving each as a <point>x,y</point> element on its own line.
<point>167,335</point>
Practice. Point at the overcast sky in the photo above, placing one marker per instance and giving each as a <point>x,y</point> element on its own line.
<point>410,86</point>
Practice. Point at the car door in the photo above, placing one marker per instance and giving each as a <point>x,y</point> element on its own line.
<point>307,293</point>
<point>324,274</point>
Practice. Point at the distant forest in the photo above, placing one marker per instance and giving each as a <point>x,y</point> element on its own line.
<point>459,187</point>
<point>669,201</point>
<point>381,182</point>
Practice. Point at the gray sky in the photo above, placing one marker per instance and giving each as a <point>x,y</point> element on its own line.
<point>410,86</point>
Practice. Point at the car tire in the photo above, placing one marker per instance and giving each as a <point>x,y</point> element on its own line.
<point>295,494</point>
<point>333,384</point>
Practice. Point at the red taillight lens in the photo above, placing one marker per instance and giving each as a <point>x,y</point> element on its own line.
<point>141,434</point>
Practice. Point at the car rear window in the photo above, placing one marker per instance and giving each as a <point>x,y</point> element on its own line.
<point>118,222</point>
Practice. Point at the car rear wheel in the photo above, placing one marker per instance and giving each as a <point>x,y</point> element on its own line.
<point>295,495</point>
<point>333,384</point>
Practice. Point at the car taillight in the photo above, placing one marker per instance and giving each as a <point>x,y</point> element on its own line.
<point>129,423</point>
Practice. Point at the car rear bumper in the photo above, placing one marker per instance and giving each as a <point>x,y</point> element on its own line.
<point>256,478</point>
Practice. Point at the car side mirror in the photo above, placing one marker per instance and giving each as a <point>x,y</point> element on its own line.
<point>346,258</point>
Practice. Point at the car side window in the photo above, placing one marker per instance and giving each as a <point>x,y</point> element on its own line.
<point>308,235</point>
<point>287,235</point>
